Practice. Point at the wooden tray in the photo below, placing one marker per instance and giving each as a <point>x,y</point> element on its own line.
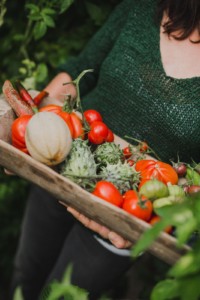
<point>70,193</point>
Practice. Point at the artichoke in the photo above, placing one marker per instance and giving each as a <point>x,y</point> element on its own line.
<point>121,175</point>
<point>80,165</point>
<point>108,153</point>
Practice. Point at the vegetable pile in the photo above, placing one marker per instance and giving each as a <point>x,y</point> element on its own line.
<point>84,150</point>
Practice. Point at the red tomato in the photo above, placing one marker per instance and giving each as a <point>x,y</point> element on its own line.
<point>127,152</point>
<point>150,169</point>
<point>193,189</point>
<point>98,133</point>
<point>139,207</point>
<point>107,191</point>
<point>72,120</point>
<point>156,219</point>
<point>77,126</point>
<point>92,115</point>
<point>110,136</point>
<point>143,147</point>
<point>130,162</point>
<point>18,130</point>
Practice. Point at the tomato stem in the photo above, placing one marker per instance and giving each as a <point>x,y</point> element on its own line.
<point>75,82</point>
<point>69,104</point>
<point>140,142</point>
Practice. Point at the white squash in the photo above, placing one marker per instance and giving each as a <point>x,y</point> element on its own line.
<point>48,138</point>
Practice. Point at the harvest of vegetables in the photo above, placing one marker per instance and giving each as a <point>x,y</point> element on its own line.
<point>83,149</point>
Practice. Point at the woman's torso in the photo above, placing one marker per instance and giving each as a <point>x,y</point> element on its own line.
<point>138,95</point>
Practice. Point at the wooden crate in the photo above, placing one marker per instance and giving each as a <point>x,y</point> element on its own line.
<point>70,193</point>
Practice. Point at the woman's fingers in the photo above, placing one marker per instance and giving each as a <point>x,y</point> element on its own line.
<point>7,172</point>
<point>117,240</point>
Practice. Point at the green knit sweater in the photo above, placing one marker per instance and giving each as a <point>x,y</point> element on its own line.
<point>130,88</point>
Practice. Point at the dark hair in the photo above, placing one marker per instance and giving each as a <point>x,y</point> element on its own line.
<point>184,17</point>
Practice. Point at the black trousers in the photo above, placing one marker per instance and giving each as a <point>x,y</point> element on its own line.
<point>50,240</point>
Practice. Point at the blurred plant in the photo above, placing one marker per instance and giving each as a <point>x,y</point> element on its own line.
<point>57,289</point>
<point>182,279</point>
<point>13,193</point>
<point>46,34</point>
<point>2,11</point>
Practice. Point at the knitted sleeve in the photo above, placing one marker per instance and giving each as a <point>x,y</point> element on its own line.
<point>98,47</point>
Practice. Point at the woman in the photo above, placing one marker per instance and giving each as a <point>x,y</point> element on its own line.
<point>146,84</point>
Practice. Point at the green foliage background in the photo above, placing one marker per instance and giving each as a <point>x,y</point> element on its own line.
<point>36,36</point>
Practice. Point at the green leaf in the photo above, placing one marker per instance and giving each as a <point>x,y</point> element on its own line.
<point>185,230</point>
<point>95,12</point>
<point>65,4</point>
<point>48,11</point>
<point>167,289</point>
<point>40,29</point>
<point>189,288</point>
<point>148,238</point>
<point>33,8</point>
<point>64,288</point>
<point>49,21</point>
<point>18,37</point>
<point>188,264</point>
<point>35,17</point>
<point>178,213</point>
<point>196,203</point>
<point>18,294</point>
<point>41,72</point>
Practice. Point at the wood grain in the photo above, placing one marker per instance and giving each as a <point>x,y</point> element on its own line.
<point>7,116</point>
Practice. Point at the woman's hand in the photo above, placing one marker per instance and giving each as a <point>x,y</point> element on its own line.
<point>117,240</point>
<point>57,90</point>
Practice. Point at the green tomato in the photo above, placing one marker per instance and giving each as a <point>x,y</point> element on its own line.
<point>192,176</point>
<point>176,190</point>
<point>170,200</point>
<point>164,201</point>
<point>154,189</point>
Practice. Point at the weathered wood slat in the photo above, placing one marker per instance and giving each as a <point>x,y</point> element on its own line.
<point>63,189</point>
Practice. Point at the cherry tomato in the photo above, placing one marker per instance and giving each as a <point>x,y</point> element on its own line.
<point>127,152</point>
<point>130,162</point>
<point>143,147</point>
<point>180,169</point>
<point>150,169</point>
<point>192,189</point>
<point>107,191</point>
<point>98,132</point>
<point>139,207</point>
<point>156,219</point>
<point>92,115</point>
<point>110,136</point>
<point>18,130</point>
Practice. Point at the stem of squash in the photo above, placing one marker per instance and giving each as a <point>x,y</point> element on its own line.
<point>138,141</point>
